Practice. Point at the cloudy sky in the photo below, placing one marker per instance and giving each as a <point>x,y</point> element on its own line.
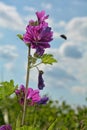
<point>65,80</point>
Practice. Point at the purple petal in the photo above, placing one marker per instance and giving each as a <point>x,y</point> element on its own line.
<point>43,100</point>
<point>38,35</point>
<point>5,127</point>
<point>41,16</point>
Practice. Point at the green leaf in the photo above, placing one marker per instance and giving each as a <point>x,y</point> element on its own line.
<point>52,126</point>
<point>27,128</point>
<point>20,36</point>
<point>18,120</point>
<point>48,59</point>
<point>6,89</point>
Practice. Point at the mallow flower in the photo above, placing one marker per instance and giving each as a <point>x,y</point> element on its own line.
<point>38,33</point>
<point>5,127</point>
<point>32,95</point>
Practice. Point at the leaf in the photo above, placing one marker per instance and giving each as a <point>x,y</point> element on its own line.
<point>20,36</point>
<point>6,89</point>
<point>18,120</point>
<point>27,128</point>
<point>48,59</point>
<point>52,126</point>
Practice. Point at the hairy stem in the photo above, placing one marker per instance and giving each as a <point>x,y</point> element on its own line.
<point>27,83</point>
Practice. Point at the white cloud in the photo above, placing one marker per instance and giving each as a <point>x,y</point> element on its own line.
<point>1,35</point>
<point>46,6</point>
<point>79,2</point>
<point>74,52</point>
<point>56,35</point>
<point>9,17</point>
<point>30,9</point>
<point>79,90</point>
<point>70,50</point>
<point>61,24</point>
<point>77,29</point>
<point>9,66</point>
<point>8,52</point>
<point>50,21</point>
<point>59,77</point>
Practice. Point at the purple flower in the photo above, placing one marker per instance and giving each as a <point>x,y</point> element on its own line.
<point>22,90</point>
<point>38,33</point>
<point>32,95</point>
<point>20,94</point>
<point>38,36</point>
<point>43,100</point>
<point>40,80</point>
<point>5,127</point>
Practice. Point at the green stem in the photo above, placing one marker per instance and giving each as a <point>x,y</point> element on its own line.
<point>27,83</point>
<point>36,65</point>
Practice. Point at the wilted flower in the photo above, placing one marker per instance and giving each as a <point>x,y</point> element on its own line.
<point>43,100</point>
<point>32,95</point>
<point>38,33</point>
<point>40,80</point>
<point>5,127</point>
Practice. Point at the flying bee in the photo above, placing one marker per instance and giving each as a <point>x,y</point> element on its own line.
<point>63,36</point>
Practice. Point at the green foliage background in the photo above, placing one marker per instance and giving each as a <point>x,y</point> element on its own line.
<point>63,116</point>
<point>52,116</point>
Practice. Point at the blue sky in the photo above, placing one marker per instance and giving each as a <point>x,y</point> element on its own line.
<point>65,80</point>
